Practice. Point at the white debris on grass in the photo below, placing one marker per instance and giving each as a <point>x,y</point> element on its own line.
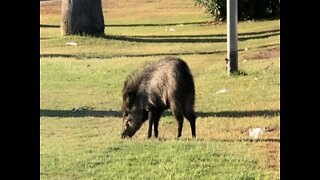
<point>169,29</point>
<point>222,91</point>
<point>72,43</point>
<point>244,60</point>
<point>256,132</point>
<point>255,78</point>
<point>82,108</point>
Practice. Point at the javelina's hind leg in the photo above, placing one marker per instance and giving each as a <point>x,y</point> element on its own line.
<point>192,120</point>
<point>180,123</point>
<point>178,114</point>
<point>179,117</point>
<point>188,112</point>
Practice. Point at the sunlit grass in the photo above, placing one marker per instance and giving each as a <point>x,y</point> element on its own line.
<point>86,144</point>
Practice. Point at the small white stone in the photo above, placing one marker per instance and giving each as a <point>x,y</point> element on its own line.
<point>222,91</point>
<point>72,43</point>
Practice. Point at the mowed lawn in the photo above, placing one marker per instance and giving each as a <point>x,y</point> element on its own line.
<point>80,96</point>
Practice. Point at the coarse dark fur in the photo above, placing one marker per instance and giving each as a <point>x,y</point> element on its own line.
<point>167,83</point>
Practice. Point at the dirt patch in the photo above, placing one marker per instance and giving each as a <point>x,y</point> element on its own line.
<point>268,155</point>
<point>265,54</point>
<point>52,8</point>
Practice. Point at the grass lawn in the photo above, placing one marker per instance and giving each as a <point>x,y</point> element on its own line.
<point>86,144</point>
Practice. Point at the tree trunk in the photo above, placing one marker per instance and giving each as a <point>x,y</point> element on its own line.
<point>82,17</point>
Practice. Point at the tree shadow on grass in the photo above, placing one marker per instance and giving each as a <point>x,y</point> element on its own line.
<point>255,33</point>
<point>133,25</point>
<point>166,39</point>
<point>113,113</point>
<point>264,113</point>
<point>79,56</point>
<point>152,25</point>
<point>208,38</point>
<point>49,26</point>
<point>82,113</point>
<point>103,56</point>
<point>236,114</point>
<point>224,140</point>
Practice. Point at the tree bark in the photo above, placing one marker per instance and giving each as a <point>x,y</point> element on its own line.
<point>82,17</point>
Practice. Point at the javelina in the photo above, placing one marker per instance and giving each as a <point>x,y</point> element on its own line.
<point>164,84</point>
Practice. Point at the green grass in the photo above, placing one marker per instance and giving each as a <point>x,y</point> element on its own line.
<point>149,159</point>
<point>87,144</point>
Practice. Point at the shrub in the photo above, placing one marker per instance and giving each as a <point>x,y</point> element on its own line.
<point>247,9</point>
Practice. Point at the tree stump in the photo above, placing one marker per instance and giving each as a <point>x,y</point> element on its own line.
<point>82,17</point>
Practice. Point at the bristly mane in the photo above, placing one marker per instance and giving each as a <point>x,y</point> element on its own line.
<point>131,85</point>
<point>131,82</point>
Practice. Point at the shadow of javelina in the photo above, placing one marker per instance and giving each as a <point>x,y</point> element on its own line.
<point>167,83</point>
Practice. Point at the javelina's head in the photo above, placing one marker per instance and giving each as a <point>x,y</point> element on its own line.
<point>132,120</point>
<point>133,111</point>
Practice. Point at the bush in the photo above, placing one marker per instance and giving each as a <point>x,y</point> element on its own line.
<point>247,9</point>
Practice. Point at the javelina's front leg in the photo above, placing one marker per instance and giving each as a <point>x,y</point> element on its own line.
<point>154,119</point>
<point>150,127</point>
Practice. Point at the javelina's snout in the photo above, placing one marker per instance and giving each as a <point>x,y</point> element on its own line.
<point>126,134</point>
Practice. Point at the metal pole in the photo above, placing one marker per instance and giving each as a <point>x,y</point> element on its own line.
<point>232,37</point>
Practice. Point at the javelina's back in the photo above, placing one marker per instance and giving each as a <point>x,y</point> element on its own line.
<point>169,81</point>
